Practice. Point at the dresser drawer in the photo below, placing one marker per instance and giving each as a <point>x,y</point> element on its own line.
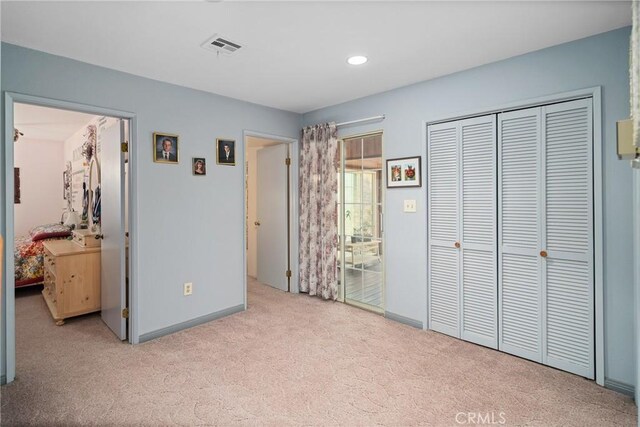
<point>85,238</point>
<point>49,263</point>
<point>50,285</point>
<point>71,279</point>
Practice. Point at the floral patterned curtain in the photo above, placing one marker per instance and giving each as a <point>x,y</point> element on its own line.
<point>319,160</point>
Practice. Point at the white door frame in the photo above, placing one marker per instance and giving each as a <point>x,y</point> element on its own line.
<point>293,205</point>
<point>595,93</point>
<point>8,351</point>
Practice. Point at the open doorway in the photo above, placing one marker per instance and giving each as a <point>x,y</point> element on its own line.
<point>70,226</point>
<point>268,212</point>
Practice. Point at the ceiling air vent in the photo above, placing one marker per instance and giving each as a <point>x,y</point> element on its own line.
<point>221,45</point>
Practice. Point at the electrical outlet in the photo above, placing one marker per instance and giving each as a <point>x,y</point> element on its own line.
<point>410,206</point>
<point>188,289</point>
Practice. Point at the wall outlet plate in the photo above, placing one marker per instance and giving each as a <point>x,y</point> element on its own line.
<point>410,206</point>
<point>188,289</point>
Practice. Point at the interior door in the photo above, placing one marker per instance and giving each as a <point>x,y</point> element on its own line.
<point>443,228</point>
<point>478,275</point>
<point>113,227</point>
<point>567,237</point>
<point>271,223</point>
<point>520,290</point>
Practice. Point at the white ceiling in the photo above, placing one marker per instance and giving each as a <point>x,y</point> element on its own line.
<point>294,54</point>
<point>45,123</point>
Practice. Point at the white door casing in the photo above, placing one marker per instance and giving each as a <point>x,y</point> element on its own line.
<point>272,205</point>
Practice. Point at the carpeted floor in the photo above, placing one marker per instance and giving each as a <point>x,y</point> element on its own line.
<point>288,360</point>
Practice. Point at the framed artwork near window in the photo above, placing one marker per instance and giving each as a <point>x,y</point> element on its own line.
<point>404,172</point>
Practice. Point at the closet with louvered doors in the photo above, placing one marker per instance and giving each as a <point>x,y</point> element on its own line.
<point>462,256</point>
<point>545,224</point>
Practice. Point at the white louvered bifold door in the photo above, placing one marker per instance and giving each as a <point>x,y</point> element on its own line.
<point>443,257</point>
<point>568,268</point>
<point>478,276</point>
<point>519,231</point>
<point>545,223</point>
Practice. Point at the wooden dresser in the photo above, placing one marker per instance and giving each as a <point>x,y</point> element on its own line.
<point>71,279</point>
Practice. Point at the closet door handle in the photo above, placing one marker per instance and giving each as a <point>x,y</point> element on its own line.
<point>457,245</point>
<point>544,254</point>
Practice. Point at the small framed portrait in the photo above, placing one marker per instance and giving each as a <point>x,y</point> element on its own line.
<point>404,172</point>
<point>165,148</point>
<point>199,166</point>
<point>226,149</point>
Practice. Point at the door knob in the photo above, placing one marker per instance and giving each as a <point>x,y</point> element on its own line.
<point>257,223</point>
<point>457,245</point>
<point>543,254</point>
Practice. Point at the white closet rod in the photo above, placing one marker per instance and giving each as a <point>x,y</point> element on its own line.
<point>368,119</point>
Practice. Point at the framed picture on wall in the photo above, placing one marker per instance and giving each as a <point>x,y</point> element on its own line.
<point>165,148</point>
<point>404,172</point>
<point>199,166</point>
<point>226,149</point>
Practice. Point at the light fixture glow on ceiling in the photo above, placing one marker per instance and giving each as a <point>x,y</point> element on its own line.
<point>357,60</point>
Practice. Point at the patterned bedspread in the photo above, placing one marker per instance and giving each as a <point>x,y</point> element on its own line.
<point>29,252</point>
<point>29,260</point>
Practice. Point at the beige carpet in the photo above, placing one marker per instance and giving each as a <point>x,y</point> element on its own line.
<point>288,360</point>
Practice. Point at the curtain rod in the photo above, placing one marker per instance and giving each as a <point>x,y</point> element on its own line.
<point>368,119</point>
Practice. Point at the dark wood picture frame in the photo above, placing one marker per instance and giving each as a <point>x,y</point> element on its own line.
<point>404,172</point>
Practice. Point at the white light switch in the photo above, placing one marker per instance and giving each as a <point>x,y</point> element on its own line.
<point>410,206</point>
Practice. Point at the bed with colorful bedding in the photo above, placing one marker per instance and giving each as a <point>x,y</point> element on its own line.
<point>29,252</point>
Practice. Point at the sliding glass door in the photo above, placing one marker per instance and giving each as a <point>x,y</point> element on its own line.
<point>360,221</point>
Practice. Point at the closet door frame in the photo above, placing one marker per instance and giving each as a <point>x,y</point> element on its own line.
<point>595,94</point>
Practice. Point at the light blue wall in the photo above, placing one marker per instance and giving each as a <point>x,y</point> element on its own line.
<point>206,246</point>
<point>190,229</point>
<point>596,61</point>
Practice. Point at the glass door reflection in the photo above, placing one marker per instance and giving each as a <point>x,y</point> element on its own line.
<point>360,221</point>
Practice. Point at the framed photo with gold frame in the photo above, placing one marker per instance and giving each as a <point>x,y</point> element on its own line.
<point>165,148</point>
<point>225,152</point>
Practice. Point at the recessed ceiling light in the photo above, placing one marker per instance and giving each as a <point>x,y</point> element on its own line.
<point>357,60</point>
